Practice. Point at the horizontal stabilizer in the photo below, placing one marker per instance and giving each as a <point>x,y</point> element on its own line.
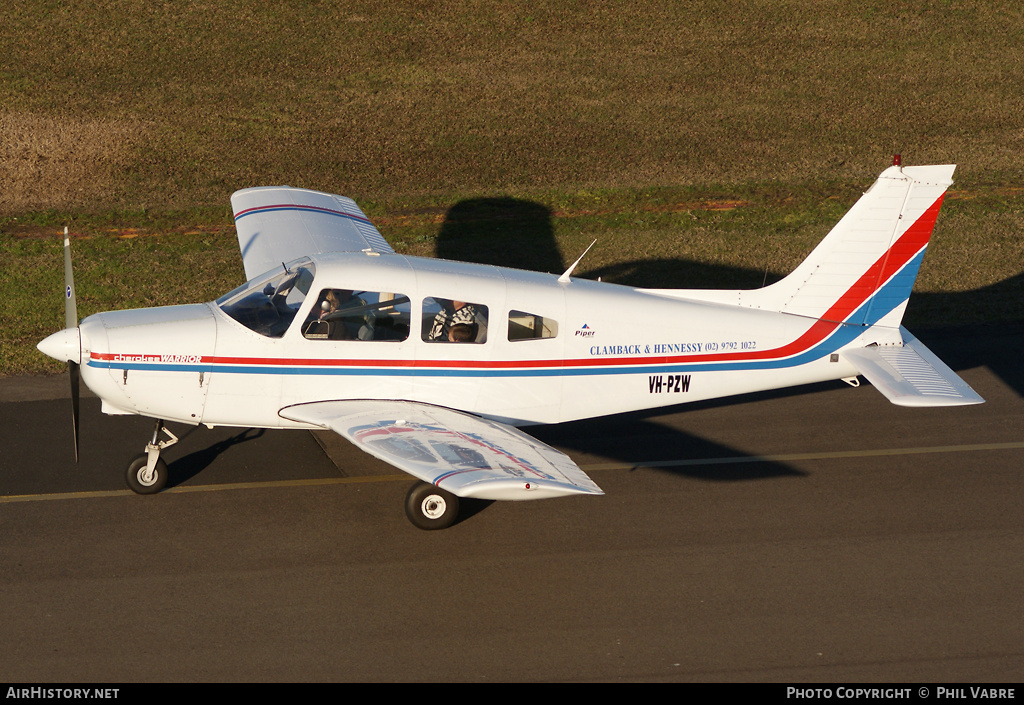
<point>911,374</point>
<point>464,454</point>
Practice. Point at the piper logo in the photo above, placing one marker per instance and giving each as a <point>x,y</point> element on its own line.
<point>584,332</point>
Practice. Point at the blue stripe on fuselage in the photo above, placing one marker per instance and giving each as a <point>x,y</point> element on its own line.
<point>843,334</point>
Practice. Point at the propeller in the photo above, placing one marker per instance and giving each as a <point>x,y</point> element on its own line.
<point>66,345</point>
<point>71,322</point>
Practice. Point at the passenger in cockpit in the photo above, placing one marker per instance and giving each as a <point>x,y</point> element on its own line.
<point>452,313</point>
<point>462,333</point>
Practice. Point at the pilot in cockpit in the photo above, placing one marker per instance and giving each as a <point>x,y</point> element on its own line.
<point>337,327</point>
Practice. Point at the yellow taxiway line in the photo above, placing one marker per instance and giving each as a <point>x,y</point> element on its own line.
<point>689,462</point>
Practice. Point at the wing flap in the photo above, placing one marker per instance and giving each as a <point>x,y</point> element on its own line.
<point>278,224</point>
<point>466,455</point>
<point>911,374</point>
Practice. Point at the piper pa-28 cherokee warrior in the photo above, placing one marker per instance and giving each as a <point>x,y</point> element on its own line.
<point>432,365</point>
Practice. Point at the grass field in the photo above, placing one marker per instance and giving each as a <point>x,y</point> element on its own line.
<point>704,144</point>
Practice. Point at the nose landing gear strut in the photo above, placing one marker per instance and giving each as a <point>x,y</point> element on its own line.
<point>147,473</point>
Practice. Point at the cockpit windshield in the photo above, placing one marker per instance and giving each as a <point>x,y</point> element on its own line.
<point>268,303</point>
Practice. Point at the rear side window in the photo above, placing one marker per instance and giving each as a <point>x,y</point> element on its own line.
<point>530,326</point>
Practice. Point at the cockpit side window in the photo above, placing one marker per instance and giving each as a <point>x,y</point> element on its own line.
<point>346,314</point>
<point>268,304</point>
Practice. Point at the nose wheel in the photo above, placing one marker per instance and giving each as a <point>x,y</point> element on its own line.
<point>147,473</point>
<point>145,480</point>
<point>429,507</point>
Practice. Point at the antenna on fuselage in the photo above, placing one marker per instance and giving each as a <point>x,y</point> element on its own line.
<point>565,277</point>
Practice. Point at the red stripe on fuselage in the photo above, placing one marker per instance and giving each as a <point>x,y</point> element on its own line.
<point>895,258</point>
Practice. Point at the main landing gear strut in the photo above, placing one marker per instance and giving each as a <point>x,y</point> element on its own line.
<point>147,473</point>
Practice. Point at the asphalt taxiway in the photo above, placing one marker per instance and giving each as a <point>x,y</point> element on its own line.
<point>818,534</point>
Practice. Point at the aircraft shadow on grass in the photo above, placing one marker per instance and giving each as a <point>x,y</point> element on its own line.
<point>519,233</point>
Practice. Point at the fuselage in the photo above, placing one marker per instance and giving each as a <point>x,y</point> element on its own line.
<point>540,350</point>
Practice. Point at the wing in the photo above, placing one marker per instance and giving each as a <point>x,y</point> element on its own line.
<point>463,454</point>
<point>911,374</point>
<point>277,224</point>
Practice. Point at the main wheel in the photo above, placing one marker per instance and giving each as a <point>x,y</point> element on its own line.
<point>429,507</point>
<point>136,471</point>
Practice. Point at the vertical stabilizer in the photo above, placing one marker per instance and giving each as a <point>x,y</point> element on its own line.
<point>864,269</point>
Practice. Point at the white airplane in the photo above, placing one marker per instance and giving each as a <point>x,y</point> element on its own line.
<point>432,365</point>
